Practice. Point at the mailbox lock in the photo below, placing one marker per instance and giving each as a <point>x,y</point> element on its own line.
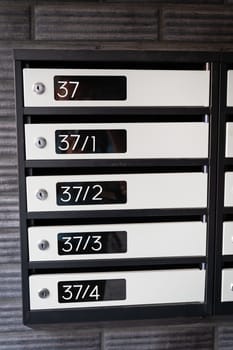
<point>43,293</point>
<point>40,142</point>
<point>43,245</point>
<point>39,88</point>
<point>42,194</point>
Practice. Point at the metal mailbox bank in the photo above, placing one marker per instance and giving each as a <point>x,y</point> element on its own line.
<point>117,172</point>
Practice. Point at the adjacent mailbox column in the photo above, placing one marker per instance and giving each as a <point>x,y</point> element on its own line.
<point>115,185</point>
<point>224,251</point>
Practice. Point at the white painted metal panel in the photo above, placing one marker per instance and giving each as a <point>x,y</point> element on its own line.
<point>145,240</point>
<point>144,191</point>
<point>144,140</point>
<point>230,88</point>
<point>228,196</point>
<point>229,140</point>
<point>227,285</point>
<point>144,87</point>
<point>227,248</point>
<point>144,287</point>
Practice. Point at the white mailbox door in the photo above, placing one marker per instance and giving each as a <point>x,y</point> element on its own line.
<point>126,191</point>
<point>228,198</point>
<point>229,140</point>
<point>122,140</point>
<point>227,285</point>
<point>230,88</point>
<point>118,87</point>
<point>120,288</point>
<point>118,241</point>
<point>227,248</point>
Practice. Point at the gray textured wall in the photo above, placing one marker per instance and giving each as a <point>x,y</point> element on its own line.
<point>122,24</point>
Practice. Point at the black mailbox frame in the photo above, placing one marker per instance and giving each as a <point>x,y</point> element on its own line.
<point>117,59</point>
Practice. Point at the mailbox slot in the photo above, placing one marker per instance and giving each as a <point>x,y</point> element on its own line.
<point>229,140</point>
<point>230,88</point>
<point>142,87</point>
<point>158,287</point>
<point>117,140</point>
<point>116,192</point>
<point>227,285</point>
<point>227,248</point>
<point>228,198</point>
<point>117,241</point>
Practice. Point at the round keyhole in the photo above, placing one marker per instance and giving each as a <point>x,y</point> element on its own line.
<point>43,293</point>
<point>42,194</point>
<point>43,245</point>
<point>39,88</point>
<point>40,142</point>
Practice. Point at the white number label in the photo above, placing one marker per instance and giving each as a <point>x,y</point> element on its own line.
<point>91,290</point>
<point>81,193</point>
<point>68,292</point>
<point>76,292</point>
<point>66,194</point>
<point>67,88</point>
<point>73,142</point>
<point>67,243</point>
<point>82,243</point>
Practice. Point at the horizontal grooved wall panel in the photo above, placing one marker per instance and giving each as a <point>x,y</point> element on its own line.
<point>9,200</point>
<point>6,161</point>
<point>7,135</point>
<point>7,100</point>
<point>225,338</point>
<point>9,214</point>
<point>11,317</point>
<point>14,22</point>
<point>71,340</point>
<point>98,22</point>
<point>10,251</point>
<point>10,286</point>
<point>6,64</point>
<point>8,184</point>
<point>197,25</point>
<point>178,338</point>
<point>8,151</point>
<point>9,221</point>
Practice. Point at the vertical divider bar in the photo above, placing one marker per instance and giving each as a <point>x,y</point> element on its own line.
<point>213,120</point>
<point>22,189</point>
<point>220,185</point>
